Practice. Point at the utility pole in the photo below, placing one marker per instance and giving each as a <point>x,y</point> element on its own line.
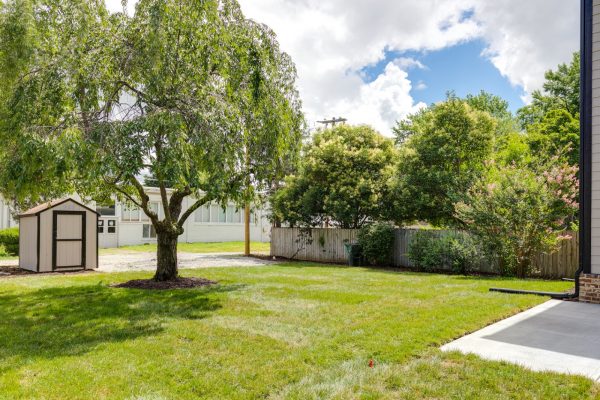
<point>333,121</point>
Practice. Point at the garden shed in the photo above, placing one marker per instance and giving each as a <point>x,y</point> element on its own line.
<point>58,235</point>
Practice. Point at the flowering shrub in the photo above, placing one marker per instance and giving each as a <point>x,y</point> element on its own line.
<point>517,212</point>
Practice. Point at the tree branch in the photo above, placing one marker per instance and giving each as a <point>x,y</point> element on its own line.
<point>176,200</point>
<point>194,207</point>
<point>145,199</point>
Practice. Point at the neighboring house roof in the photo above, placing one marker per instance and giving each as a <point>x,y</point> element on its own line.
<point>51,204</point>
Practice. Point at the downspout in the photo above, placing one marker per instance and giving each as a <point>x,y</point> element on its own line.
<point>585,157</point>
<point>554,295</point>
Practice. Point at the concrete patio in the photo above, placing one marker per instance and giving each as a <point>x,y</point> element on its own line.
<point>557,336</point>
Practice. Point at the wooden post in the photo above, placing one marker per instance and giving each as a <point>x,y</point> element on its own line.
<point>247,230</point>
<point>247,208</point>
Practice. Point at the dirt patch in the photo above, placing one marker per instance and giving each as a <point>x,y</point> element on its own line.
<point>11,271</point>
<point>179,283</point>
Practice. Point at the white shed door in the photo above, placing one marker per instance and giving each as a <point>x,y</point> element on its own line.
<point>68,239</point>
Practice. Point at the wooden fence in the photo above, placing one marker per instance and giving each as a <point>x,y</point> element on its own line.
<point>327,245</point>
<point>324,244</point>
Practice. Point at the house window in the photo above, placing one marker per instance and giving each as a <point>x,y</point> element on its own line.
<point>222,215</point>
<point>130,212</point>
<point>100,226</point>
<point>148,231</point>
<point>106,209</point>
<point>112,226</point>
<point>216,214</point>
<point>202,214</point>
<point>234,215</point>
<point>153,206</point>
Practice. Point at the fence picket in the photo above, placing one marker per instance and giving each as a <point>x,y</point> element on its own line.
<point>291,243</point>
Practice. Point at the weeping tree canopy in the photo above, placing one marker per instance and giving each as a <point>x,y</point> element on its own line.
<point>189,92</point>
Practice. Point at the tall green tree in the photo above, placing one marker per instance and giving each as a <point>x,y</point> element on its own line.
<point>551,120</point>
<point>557,134</point>
<point>444,149</point>
<point>342,179</point>
<point>498,108</point>
<point>191,93</point>
<point>560,92</point>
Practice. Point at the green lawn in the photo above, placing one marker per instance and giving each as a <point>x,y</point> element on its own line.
<point>296,331</point>
<point>217,247</point>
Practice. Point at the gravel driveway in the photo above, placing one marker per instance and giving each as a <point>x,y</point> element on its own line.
<point>147,261</point>
<point>138,261</point>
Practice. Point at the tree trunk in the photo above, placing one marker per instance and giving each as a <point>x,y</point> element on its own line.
<point>166,259</point>
<point>523,266</point>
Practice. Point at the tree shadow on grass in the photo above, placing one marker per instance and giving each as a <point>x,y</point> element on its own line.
<point>70,321</point>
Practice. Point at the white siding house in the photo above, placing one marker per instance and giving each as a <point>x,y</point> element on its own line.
<point>6,219</point>
<point>121,224</point>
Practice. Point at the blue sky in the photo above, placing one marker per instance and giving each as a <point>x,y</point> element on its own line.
<point>344,51</point>
<point>462,68</point>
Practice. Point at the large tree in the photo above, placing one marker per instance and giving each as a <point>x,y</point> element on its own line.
<point>443,150</point>
<point>552,119</point>
<point>498,108</point>
<point>189,92</point>
<point>560,92</point>
<point>342,179</point>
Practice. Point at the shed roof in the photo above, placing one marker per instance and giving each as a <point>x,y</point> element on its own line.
<point>51,204</point>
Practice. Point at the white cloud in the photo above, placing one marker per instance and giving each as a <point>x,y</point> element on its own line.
<point>420,85</point>
<point>332,40</point>
<point>406,63</point>
<point>526,38</point>
<point>381,102</point>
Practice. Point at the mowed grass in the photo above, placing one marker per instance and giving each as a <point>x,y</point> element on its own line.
<point>290,331</point>
<point>216,247</point>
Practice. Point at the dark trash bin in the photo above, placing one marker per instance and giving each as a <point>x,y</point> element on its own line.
<point>354,254</point>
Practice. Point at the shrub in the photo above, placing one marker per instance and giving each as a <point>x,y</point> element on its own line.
<point>377,243</point>
<point>431,250</point>
<point>517,212</point>
<point>424,251</point>
<point>9,240</point>
<point>460,252</point>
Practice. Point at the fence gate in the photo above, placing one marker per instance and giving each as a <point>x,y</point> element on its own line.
<point>68,239</point>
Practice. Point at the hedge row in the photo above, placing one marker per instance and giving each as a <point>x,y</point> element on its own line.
<point>9,239</point>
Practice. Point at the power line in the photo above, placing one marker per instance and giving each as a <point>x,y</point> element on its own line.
<point>333,121</point>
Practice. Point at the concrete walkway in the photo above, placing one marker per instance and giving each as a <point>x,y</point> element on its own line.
<point>557,336</point>
<point>146,261</point>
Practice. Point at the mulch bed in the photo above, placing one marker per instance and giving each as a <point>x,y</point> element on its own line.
<point>11,271</point>
<point>179,283</point>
